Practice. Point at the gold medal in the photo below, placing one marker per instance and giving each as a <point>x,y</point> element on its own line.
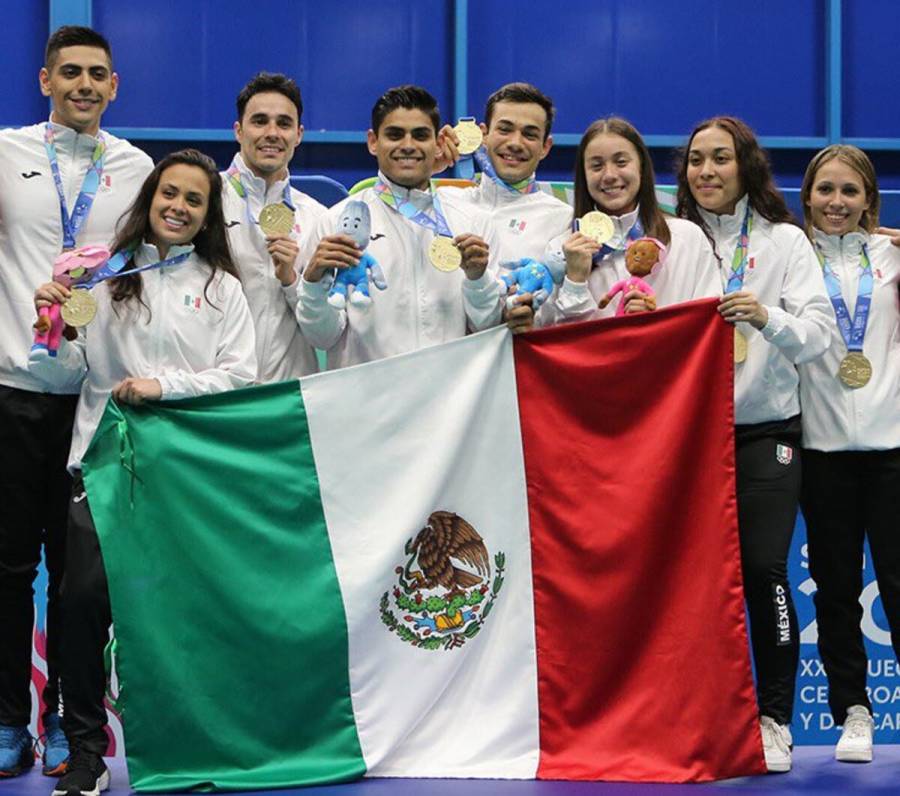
<point>444,254</point>
<point>855,370</point>
<point>596,225</point>
<point>276,219</point>
<point>469,134</point>
<point>80,309</point>
<point>740,346</point>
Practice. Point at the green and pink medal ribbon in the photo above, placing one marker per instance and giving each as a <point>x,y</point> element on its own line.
<point>72,224</point>
<point>233,175</point>
<point>436,223</point>
<point>741,254</point>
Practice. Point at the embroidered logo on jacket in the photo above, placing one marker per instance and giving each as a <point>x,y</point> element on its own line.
<point>31,174</point>
<point>784,454</point>
<point>444,592</point>
<point>192,302</point>
<point>517,227</point>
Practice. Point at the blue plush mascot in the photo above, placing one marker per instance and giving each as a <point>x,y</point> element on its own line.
<point>532,276</point>
<point>356,221</point>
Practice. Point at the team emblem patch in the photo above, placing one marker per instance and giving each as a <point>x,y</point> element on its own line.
<point>444,593</point>
<point>784,454</point>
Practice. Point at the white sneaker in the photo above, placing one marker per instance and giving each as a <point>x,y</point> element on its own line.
<point>855,745</point>
<point>777,743</point>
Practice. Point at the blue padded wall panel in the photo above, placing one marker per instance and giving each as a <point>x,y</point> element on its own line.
<point>182,62</point>
<point>23,35</point>
<point>871,73</point>
<point>662,65</point>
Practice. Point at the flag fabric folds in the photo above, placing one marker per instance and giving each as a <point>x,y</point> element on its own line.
<point>492,558</point>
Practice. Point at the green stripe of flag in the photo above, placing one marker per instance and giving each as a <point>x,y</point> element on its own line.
<point>266,707</point>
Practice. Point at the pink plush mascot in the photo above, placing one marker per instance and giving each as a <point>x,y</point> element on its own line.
<point>641,257</point>
<point>70,268</point>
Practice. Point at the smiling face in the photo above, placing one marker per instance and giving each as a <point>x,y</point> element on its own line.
<point>612,168</point>
<point>268,133</point>
<point>405,146</point>
<point>80,83</point>
<point>179,206</point>
<point>838,198</point>
<point>515,140</point>
<point>712,171</point>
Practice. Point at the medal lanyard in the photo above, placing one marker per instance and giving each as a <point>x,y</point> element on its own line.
<point>528,185</point>
<point>233,175</point>
<point>114,265</point>
<point>437,223</point>
<point>853,332</point>
<point>741,254</point>
<point>72,224</point>
<point>636,231</point>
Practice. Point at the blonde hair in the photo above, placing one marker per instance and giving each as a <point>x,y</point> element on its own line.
<point>857,160</point>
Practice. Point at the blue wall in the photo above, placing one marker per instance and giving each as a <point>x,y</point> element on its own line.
<point>663,65</point>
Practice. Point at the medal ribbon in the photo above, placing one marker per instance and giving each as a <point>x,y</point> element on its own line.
<point>114,265</point>
<point>853,332</point>
<point>636,232</point>
<point>72,224</point>
<point>741,254</point>
<point>436,223</point>
<point>528,185</point>
<point>233,175</point>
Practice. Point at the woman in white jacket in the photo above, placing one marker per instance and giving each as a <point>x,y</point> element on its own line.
<point>181,327</point>
<point>851,430</point>
<point>614,174</point>
<point>775,299</point>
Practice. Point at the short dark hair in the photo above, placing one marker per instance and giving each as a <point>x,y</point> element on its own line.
<point>521,92</point>
<point>270,81</point>
<point>74,36</point>
<point>410,97</point>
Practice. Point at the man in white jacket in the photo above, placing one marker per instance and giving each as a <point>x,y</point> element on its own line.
<point>430,298</point>
<point>516,127</point>
<point>63,183</point>
<point>269,129</point>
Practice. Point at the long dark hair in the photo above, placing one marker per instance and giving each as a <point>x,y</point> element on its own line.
<point>754,172</point>
<point>652,218</point>
<point>210,243</point>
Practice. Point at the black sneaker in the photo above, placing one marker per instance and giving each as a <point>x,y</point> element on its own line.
<point>86,775</point>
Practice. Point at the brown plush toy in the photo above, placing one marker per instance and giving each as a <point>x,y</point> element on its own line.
<point>641,256</point>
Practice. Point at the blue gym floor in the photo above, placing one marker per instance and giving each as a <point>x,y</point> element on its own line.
<point>815,772</point>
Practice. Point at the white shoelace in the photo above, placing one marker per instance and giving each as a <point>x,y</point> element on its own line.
<point>857,726</point>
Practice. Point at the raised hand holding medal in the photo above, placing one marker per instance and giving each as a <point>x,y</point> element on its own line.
<point>276,219</point>
<point>444,255</point>
<point>597,226</point>
<point>444,252</point>
<point>469,135</point>
<point>80,309</point>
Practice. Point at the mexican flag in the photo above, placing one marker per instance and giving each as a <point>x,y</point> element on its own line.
<point>500,558</point>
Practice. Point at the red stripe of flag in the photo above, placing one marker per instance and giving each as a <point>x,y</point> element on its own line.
<point>643,659</point>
